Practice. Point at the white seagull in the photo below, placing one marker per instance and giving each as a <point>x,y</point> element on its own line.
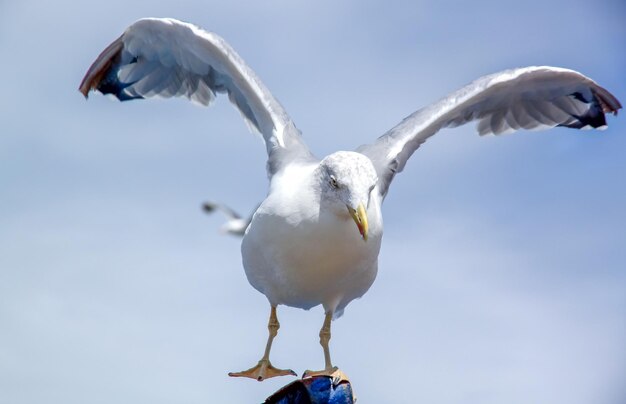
<point>235,225</point>
<point>302,248</point>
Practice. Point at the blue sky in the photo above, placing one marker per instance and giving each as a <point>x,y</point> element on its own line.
<point>502,274</point>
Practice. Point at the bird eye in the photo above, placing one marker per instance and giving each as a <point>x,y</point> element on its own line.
<point>333,182</point>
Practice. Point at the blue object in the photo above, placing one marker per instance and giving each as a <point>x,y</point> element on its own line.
<point>313,390</point>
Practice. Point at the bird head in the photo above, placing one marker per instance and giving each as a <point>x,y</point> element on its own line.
<point>348,179</point>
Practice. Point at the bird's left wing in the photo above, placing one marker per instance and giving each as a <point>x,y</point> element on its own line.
<point>162,57</point>
<point>524,98</point>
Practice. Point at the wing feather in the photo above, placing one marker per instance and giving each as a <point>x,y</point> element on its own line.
<point>162,57</point>
<point>525,98</point>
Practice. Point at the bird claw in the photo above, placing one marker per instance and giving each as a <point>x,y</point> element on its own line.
<point>263,370</point>
<point>334,373</point>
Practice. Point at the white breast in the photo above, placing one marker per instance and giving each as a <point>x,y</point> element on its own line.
<point>300,256</point>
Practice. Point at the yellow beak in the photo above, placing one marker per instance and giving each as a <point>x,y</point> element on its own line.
<point>360,218</point>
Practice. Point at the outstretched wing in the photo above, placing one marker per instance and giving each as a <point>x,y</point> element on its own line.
<point>162,57</point>
<point>525,98</point>
<point>210,207</point>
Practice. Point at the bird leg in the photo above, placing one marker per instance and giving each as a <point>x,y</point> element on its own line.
<point>264,369</point>
<point>329,369</point>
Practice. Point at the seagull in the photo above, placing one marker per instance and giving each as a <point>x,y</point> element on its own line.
<point>236,225</point>
<point>315,238</point>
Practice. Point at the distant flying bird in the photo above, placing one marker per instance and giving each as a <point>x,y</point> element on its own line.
<point>301,248</point>
<point>236,225</point>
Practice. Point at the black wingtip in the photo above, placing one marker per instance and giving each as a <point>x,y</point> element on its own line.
<point>101,68</point>
<point>600,103</point>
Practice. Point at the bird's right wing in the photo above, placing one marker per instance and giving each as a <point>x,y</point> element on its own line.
<point>162,57</point>
<point>524,98</point>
